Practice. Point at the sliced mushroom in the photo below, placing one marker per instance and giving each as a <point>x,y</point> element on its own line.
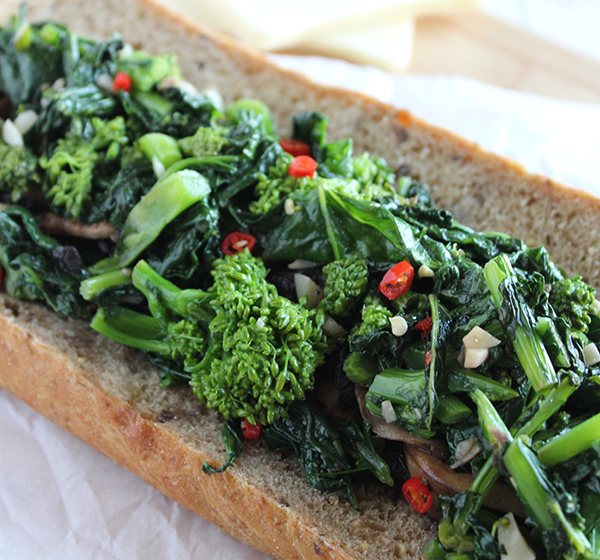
<point>55,225</point>
<point>442,480</point>
<point>436,447</point>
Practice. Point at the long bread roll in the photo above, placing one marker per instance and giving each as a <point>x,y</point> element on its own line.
<point>60,367</point>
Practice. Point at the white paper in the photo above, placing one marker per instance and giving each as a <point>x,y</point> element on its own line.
<point>59,499</point>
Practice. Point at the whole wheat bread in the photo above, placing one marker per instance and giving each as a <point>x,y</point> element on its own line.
<point>60,367</point>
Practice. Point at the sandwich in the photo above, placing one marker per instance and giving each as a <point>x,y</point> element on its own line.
<point>194,270</point>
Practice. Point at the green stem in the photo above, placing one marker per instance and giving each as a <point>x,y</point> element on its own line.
<point>91,287</point>
<point>527,342</point>
<point>571,443</point>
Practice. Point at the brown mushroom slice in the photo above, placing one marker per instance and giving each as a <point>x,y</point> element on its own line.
<point>442,480</point>
<point>55,225</point>
<point>435,447</point>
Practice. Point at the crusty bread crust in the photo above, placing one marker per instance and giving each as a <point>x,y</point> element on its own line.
<point>61,368</point>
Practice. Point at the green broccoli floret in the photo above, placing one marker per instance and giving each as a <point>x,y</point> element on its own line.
<point>573,300</point>
<point>18,170</point>
<point>70,168</point>
<point>250,352</point>
<point>375,316</point>
<point>375,176</point>
<point>206,142</point>
<point>345,285</point>
<point>278,184</point>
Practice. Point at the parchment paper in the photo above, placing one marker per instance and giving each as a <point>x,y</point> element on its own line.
<point>59,499</point>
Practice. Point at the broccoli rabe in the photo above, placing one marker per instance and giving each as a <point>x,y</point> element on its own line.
<point>206,142</point>
<point>70,168</point>
<point>18,170</point>
<point>273,187</point>
<point>250,352</point>
<point>345,285</point>
<point>375,316</point>
<point>375,176</point>
<point>573,300</point>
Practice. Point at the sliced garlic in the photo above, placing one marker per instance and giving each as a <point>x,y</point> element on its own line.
<point>474,357</point>
<point>105,82</point>
<point>333,329</point>
<point>399,325</point>
<point>215,98</point>
<point>425,272</point>
<point>126,51</point>
<point>59,85</point>
<point>177,83</point>
<point>25,121</point>
<point>591,354</point>
<point>289,206</point>
<point>479,338</point>
<point>306,286</point>
<point>388,412</point>
<point>11,134</point>
<point>299,264</point>
<point>596,306</point>
<point>511,538</point>
<point>158,167</point>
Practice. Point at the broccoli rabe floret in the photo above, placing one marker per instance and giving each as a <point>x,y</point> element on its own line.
<point>376,177</point>
<point>18,170</point>
<point>250,352</point>
<point>345,285</point>
<point>205,142</point>
<point>70,168</point>
<point>375,316</point>
<point>573,300</point>
<point>278,184</point>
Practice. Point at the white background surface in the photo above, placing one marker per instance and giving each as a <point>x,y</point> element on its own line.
<point>571,23</point>
<point>59,499</point>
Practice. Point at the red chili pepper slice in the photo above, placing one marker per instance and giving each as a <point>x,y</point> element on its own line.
<point>249,431</point>
<point>1,278</point>
<point>122,82</point>
<point>397,280</point>
<point>294,147</point>
<point>425,326</point>
<point>428,357</point>
<point>417,495</point>
<point>236,242</point>
<point>303,166</point>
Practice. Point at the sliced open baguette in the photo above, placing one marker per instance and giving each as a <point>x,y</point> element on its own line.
<point>60,367</point>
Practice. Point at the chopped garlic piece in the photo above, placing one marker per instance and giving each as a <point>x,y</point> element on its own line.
<point>425,272</point>
<point>399,325</point>
<point>511,538</point>
<point>299,264</point>
<point>25,121</point>
<point>596,306</point>
<point>306,286</point>
<point>105,82</point>
<point>591,354</point>
<point>388,412</point>
<point>11,134</point>
<point>289,206</point>
<point>333,329</point>
<point>479,338</point>
<point>474,357</point>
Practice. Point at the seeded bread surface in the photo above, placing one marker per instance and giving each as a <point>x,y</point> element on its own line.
<point>61,368</point>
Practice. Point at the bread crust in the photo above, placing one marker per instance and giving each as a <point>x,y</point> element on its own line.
<point>60,379</point>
